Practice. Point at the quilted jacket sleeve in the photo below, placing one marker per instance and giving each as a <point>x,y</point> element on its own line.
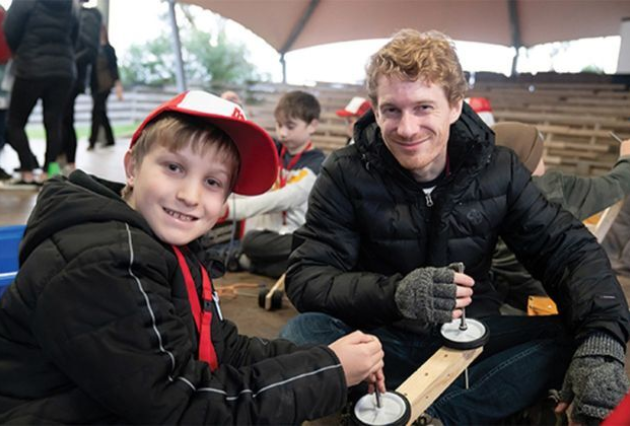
<point>320,276</point>
<point>558,250</point>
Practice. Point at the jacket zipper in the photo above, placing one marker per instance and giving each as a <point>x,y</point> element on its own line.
<point>427,196</point>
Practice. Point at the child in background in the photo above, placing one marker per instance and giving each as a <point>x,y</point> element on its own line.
<point>352,112</point>
<point>112,318</point>
<point>274,215</point>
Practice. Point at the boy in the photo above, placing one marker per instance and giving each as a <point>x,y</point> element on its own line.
<point>97,327</point>
<point>274,216</point>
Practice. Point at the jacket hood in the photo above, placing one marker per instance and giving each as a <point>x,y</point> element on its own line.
<point>57,6</point>
<point>470,142</point>
<point>67,202</point>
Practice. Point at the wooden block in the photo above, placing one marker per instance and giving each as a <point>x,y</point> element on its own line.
<point>434,376</point>
<point>279,285</point>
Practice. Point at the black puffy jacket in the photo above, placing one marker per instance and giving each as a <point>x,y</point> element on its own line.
<point>97,328</point>
<point>368,225</point>
<point>42,35</point>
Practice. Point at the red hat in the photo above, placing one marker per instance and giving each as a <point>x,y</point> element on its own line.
<point>356,107</point>
<point>259,157</point>
<point>479,104</point>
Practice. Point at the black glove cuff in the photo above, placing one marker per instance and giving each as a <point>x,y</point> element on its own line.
<point>601,344</point>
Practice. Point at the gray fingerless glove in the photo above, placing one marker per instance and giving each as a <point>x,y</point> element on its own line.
<point>427,294</point>
<point>596,380</point>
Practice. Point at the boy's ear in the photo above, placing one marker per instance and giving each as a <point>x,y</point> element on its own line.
<point>130,168</point>
<point>312,126</point>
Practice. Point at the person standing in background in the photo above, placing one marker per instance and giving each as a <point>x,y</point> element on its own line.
<point>104,78</point>
<point>86,52</point>
<point>5,56</point>
<point>42,35</point>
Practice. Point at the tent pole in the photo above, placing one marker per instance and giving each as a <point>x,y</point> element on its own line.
<point>103,7</point>
<point>516,32</point>
<point>283,62</point>
<point>177,48</point>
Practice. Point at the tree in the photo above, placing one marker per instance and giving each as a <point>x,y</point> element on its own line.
<point>210,58</point>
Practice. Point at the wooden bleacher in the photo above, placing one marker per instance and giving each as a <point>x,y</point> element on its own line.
<point>575,118</point>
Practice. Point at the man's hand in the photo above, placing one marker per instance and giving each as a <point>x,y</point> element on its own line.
<point>434,295</point>
<point>624,148</point>
<point>596,380</point>
<point>361,357</point>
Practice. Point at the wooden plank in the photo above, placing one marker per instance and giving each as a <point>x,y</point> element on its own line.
<point>424,386</point>
<point>606,220</point>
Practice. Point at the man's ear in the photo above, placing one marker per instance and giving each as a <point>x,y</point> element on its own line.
<point>312,126</point>
<point>456,111</point>
<point>130,168</point>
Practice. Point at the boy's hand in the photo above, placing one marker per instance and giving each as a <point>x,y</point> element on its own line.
<point>377,381</point>
<point>624,148</point>
<point>361,357</point>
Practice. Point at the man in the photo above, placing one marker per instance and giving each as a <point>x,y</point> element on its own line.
<point>424,187</point>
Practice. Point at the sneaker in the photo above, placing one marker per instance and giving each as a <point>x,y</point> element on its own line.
<point>53,169</point>
<point>4,175</point>
<point>19,185</point>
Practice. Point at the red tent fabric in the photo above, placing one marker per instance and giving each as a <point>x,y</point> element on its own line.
<point>5,52</point>
<point>621,415</point>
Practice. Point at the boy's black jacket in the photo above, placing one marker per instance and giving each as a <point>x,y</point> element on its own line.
<point>97,328</point>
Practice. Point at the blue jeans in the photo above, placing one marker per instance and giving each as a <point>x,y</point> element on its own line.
<point>525,357</point>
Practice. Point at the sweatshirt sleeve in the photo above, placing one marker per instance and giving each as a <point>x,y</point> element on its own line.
<point>111,326</point>
<point>294,194</point>
<point>585,196</point>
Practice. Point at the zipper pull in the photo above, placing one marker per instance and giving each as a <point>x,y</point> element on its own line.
<point>427,196</point>
<point>215,298</point>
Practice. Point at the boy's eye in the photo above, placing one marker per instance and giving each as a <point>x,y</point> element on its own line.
<point>214,183</point>
<point>174,167</point>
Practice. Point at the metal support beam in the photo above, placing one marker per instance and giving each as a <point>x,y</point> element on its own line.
<point>283,62</point>
<point>103,7</point>
<point>515,28</point>
<point>177,48</point>
<point>299,27</point>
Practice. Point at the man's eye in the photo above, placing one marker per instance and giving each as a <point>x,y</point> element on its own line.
<point>389,111</point>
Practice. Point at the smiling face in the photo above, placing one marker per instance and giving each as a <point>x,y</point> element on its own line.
<point>180,193</point>
<point>415,119</point>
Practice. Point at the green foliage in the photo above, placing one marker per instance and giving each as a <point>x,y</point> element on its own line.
<point>592,68</point>
<point>209,57</point>
<point>151,64</point>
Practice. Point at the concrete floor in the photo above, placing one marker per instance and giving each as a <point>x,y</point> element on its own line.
<point>107,162</point>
